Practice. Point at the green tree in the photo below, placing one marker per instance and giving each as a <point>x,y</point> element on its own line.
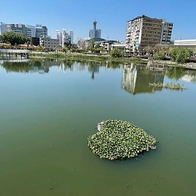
<point>148,49</point>
<point>180,54</point>
<point>67,46</point>
<point>13,38</point>
<point>74,48</point>
<point>159,55</point>
<point>92,45</point>
<point>98,48</point>
<point>116,53</point>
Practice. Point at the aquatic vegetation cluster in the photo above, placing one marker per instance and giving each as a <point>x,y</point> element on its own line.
<point>117,139</point>
<point>171,86</point>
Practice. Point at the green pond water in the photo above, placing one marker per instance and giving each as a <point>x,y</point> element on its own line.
<point>48,109</point>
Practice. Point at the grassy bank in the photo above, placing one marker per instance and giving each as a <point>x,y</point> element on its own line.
<point>86,57</point>
<point>105,59</point>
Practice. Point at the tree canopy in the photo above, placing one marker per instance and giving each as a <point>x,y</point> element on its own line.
<point>116,53</point>
<point>159,55</point>
<point>13,38</point>
<point>181,54</point>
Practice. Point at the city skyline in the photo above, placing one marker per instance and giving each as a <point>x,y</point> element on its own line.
<point>111,16</point>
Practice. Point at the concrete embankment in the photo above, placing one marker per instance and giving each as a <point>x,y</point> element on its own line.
<point>190,65</point>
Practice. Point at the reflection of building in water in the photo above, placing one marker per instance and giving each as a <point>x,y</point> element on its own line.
<point>136,79</point>
<point>93,69</point>
<point>129,77</point>
<point>80,66</point>
<point>68,65</point>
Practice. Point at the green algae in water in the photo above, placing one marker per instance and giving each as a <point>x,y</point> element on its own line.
<point>117,139</point>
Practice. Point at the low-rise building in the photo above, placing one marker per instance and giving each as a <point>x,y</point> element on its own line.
<point>185,42</point>
<point>49,43</point>
<point>120,46</point>
<point>34,41</point>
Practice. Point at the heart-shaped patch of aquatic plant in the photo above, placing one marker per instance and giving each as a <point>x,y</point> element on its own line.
<point>117,139</point>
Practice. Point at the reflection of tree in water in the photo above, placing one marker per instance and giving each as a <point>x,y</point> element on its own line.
<point>114,65</point>
<point>37,63</point>
<point>82,63</point>
<point>181,73</point>
<point>41,67</point>
<point>68,63</point>
<point>17,66</point>
<point>175,72</point>
<point>25,67</point>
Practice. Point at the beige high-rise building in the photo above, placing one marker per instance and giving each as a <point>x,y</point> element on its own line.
<point>143,31</point>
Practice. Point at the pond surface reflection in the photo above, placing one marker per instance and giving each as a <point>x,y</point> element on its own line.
<point>49,108</point>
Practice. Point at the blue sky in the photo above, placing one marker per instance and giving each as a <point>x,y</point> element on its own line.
<point>111,15</point>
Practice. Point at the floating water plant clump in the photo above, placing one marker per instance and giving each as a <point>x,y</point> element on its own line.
<point>168,86</point>
<point>117,139</point>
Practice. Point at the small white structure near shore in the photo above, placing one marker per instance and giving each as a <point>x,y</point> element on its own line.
<point>15,52</point>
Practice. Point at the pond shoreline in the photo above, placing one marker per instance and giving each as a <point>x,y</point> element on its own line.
<point>106,58</point>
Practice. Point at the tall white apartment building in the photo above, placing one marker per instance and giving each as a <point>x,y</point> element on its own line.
<point>65,37</point>
<point>59,37</point>
<point>134,33</point>
<point>71,33</point>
